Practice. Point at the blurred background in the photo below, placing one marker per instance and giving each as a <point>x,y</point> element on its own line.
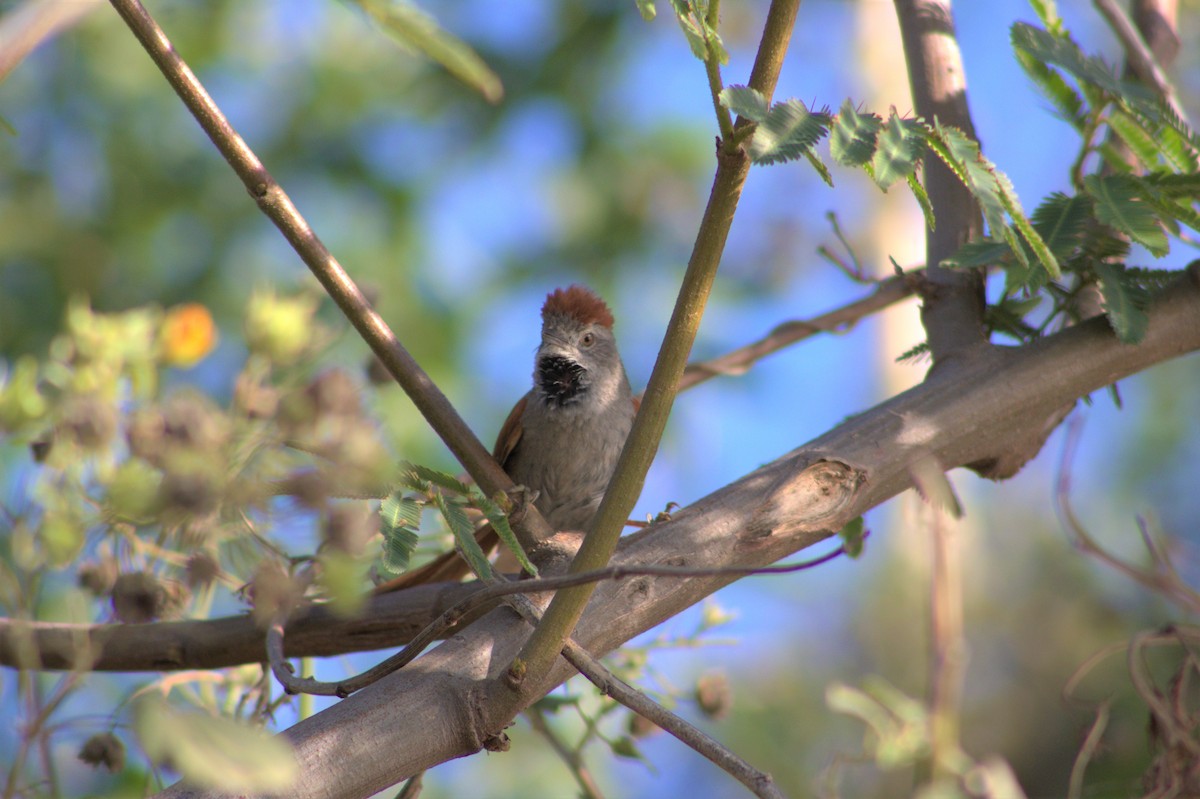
<point>459,216</point>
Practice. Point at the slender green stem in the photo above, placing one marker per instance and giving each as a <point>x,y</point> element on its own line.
<point>543,647</point>
<point>712,67</point>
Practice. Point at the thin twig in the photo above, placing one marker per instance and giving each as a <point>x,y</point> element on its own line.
<point>486,596</point>
<point>948,645</point>
<point>1164,580</point>
<point>760,783</point>
<point>887,292</point>
<point>32,730</point>
<point>1139,57</point>
<point>573,758</point>
<point>1087,751</point>
<point>280,666</point>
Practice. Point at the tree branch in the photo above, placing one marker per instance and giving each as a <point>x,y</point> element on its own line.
<point>449,702</point>
<point>953,301</point>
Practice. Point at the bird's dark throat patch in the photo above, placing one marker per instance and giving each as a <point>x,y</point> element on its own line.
<point>562,380</point>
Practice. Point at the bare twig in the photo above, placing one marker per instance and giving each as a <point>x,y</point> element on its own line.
<point>485,597</point>
<point>1163,579</point>
<point>280,666</point>
<point>1087,751</point>
<point>887,292</point>
<point>760,783</point>
<point>32,730</point>
<point>278,207</point>
<point>573,758</point>
<point>1139,57</point>
<point>948,643</point>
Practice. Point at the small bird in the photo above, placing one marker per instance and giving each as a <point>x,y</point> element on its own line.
<point>562,439</point>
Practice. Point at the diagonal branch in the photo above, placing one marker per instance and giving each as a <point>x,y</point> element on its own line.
<point>275,203</point>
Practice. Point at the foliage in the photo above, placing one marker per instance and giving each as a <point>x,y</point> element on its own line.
<point>165,503</point>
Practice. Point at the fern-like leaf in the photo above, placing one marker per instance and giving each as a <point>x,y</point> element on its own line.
<point>1120,202</point>
<point>852,142</point>
<point>787,131</point>
<point>901,144</point>
<point>1124,302</point>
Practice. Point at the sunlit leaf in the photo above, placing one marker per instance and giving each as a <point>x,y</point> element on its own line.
<point>416,29</point>
<point>213,751</point>
<point>901,143</point>
<point>647,10</point>
<point>399,517</point>
<point>787,131</point>
<point>745,102</point>
<point>852,140</point>
<point>416,476</point>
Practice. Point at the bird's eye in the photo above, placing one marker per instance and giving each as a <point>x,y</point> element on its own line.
<point>588,339</point>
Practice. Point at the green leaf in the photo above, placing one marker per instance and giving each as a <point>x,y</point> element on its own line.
<point>1047,12</point>
<point>1067,102</point>
<point>215,752</point>
<point>815,161</point>
<point>342,578</point>
<point>1139,140</point>
<point>976,254</point>
<point>464,534</point>
<point>647,10</point>
<point>418,478</point>
<point>901,143</point>
<point>400,518</point>
<point>852,142</point>
<point>1120,202</point>
<point>1062,222</point>
<point>787,131</point>
<point>625,747</point>
<point>1173,185</point>
<point>852,537</point>
<point>745,102</point>
<point>499,522</point>
<point>961,154</point>
<point>1124,302</point>
<point>417,30</point>
<point>922,199</point>
<point>1061,51</point>
<point>690,21</point>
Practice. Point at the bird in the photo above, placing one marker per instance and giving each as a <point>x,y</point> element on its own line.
<point>562,440</point>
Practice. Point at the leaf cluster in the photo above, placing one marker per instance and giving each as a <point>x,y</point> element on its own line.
<point>1143,190</point>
